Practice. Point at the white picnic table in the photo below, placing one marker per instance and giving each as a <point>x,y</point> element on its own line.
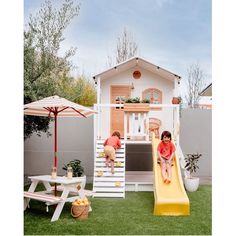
<point>66,185</point>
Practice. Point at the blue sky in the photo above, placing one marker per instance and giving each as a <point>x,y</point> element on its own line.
<point>169,33</point>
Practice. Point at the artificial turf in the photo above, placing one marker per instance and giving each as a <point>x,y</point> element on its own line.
<point>130,216</point>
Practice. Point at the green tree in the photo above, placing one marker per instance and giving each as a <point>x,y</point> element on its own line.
<point>44,70</point>
<point>80,90</point>
<point>85,92</point>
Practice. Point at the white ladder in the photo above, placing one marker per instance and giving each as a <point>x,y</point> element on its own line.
<point>106,184</point>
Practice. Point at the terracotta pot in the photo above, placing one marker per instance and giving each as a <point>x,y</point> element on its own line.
<point>175,100</point>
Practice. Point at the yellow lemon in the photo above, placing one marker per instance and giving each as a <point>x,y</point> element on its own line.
<point>117,184</point>
<point>118,163</point>
<point>101,154</point>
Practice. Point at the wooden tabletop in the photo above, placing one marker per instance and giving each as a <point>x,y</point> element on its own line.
<point>58,179</point>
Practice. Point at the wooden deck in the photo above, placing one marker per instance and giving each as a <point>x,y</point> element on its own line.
<point>143,180</point>
<point>138,181</point>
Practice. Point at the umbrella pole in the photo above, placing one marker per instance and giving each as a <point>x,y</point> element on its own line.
<point>55,149</point>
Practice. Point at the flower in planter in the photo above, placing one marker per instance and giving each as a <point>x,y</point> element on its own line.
<point>137,100</point>
<point>129,100</point>
<point>133,100</point>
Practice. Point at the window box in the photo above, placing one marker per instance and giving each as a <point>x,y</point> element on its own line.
<point>136,107</point>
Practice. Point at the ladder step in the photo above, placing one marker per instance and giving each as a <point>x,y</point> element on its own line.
<point>108,190</point>
<point>101,141</point>
<point>106,184</point>
<point>117,151</point>
<point>109,195</point>
<point>101,146</point>
<point>106,179</point>
<point>118,159</point>
<point>102,164</point>
<point>108,169</point>
<point>108,174</point>
<point>117,155</point>
<point>109,184</point>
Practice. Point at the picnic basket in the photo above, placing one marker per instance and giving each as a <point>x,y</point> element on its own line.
<point>80,209</point>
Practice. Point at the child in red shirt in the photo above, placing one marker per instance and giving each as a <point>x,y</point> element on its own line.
<point>110,146</point>
<point>166,151</point>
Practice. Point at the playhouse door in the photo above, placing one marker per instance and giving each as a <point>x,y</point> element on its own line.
<point>119,93</point>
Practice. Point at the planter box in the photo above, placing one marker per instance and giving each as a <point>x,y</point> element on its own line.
<point>136,107</point>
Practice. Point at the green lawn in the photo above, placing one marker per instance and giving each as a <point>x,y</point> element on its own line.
<point>130,216</point>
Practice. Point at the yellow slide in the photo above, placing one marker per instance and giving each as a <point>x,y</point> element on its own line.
<point>170,199</point>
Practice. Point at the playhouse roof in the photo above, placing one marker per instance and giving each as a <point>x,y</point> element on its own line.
<point>136,61</point>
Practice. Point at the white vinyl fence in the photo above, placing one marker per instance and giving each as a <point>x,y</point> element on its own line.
<point>75,141</point>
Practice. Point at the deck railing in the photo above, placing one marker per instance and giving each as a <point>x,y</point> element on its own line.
<point>136,124</point>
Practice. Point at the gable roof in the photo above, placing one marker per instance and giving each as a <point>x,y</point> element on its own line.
<point>136,61</point>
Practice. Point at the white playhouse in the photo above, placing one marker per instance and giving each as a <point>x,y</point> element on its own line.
<point>134,79</point>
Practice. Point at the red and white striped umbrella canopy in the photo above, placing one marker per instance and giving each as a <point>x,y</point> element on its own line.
<point>58,106</point>
<point>55,106</point>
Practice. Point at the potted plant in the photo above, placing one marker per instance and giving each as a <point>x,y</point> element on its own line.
<point>78,170</point>
<point>176,100</point>
<point>192,183</point>
<point>136,105</point>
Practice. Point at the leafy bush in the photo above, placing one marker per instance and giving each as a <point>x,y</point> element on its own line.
<point>78,170</point>
<point>145,100</point>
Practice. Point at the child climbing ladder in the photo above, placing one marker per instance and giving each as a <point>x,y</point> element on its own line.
<point>110,145</point>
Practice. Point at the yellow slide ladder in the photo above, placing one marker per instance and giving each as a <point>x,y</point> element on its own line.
<point>170,199</point>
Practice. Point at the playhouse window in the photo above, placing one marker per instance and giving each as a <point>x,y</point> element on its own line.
<point>154,95</point>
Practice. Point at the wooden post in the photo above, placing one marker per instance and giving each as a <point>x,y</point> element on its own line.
<point>95,126</point>
<point>176,88</point>
<point>177,124</point>
<point>99,108</point>
<point>132,126</point>
<point>125,126</point>
<point>146,121</point>
<point>98,90</point>
<point>139,124</point>
<point>142,123</point>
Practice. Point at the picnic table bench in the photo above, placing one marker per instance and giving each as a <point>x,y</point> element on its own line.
<point>66,186</point>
